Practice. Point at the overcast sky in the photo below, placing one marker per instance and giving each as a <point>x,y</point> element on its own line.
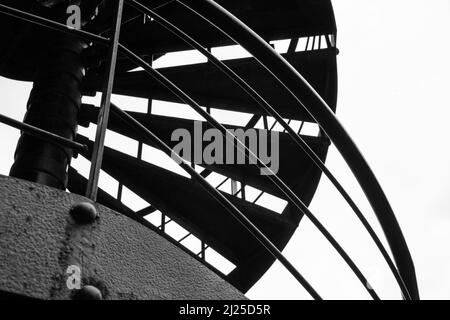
<point>394,82</point>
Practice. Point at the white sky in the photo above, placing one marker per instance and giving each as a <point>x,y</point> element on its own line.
<point>394,72</point>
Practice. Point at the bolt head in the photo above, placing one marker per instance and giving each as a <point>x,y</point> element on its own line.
<point>84,213</point>
<point>88,293</point>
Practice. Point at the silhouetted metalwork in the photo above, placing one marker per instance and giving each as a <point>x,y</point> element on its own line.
<point>269,84</point>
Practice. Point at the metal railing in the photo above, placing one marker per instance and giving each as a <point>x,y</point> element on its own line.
<point>270,110</point>
<point>293,82</point>
<point>148,135</point>
<point>276,65</point>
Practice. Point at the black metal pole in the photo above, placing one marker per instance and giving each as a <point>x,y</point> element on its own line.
<point>42,134</point>
<point>102,123</point>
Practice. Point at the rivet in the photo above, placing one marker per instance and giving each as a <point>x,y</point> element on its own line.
<point>84,213</point>
<point>88,293</point>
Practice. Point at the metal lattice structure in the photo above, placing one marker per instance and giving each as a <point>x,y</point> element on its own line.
<point>295,88</point>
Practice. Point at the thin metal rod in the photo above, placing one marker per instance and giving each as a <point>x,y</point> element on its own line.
<point>206,247</point>
<point>103,115</point>
<point>42,134</point>
<point>202,255</point>
<point>290,195</point>
<point>258,197</point>
<point>265,123</point>
<point>294,83</point>
<point>163,222</point>
<point>238,215</point>
<point>289,122</point>
<point>119,192</point>
<point>254,95</point>
<point>185,237</point>
<point>301,127</point>
<point>221,184</point>
<point>273,125</point>
<point>327,39</point>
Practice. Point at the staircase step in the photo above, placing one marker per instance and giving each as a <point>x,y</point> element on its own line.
<point>210,87</point>
<point>291,158</point>
<point>194,209</point>
<point>270,19</point>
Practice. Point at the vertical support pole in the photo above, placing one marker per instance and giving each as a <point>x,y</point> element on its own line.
<point>327,40</point>
<point>266,124</point>
<point>208,109</point>
<point>333,40</point>
<point>119,192</point>
<point>163,222</point>
<point>292,45</point>
<point>233,187</point>
<point>103,116</point>
<point>243,185</point>
<point>301,127</point>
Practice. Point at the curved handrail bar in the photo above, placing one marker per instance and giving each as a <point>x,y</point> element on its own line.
<point>43,134</point>
<point>242,148</point>
<point>235,212</point>
<point>294,82</point>
<point>270,110</point>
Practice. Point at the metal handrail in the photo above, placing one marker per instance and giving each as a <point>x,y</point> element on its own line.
<point>235,212</point>
<point>293,82</point>
<point>290,195</point>
<point>269,109</point>
<point>102,41</point>
<point>286,190</point>
<point>43,134</point>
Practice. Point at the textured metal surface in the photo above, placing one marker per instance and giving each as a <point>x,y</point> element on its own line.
<point>39,240</point>
<point>53,106</point>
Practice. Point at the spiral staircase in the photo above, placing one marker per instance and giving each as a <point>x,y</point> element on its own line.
<point>114,53</point>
